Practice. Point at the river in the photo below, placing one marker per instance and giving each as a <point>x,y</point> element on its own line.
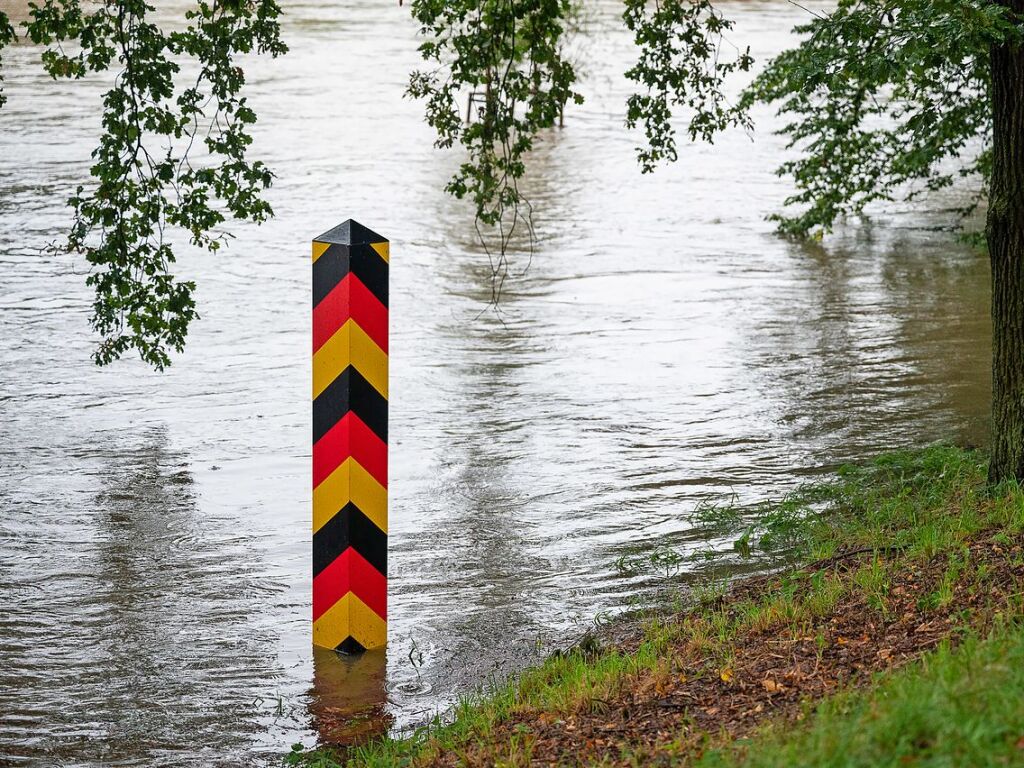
<point>663,348</point>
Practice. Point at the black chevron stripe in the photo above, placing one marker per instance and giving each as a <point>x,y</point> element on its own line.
<point>350,528</point>
<point>338,260</point>
<point>350,392</point>
<point>350,646</point>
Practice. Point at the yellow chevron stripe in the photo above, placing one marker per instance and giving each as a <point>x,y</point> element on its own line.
<point>318,250</point>
<point>350,346</point>
<point>383,249</point>
<point>350,616</point>
<point>350,482</point>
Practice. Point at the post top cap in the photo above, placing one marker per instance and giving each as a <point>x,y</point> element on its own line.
<point>350,232</point>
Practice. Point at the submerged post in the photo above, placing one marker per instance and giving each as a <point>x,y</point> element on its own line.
<point>350,436</point>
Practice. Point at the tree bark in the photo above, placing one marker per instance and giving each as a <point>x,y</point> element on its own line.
<point>1005,233</point>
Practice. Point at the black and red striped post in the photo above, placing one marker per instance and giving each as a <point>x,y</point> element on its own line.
<point>350,435</point>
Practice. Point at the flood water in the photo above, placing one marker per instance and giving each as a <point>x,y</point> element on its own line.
<point>663,348</point>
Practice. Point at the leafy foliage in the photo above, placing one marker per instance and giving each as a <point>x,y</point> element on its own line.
<point>7,35</point>
<point>887,99</point>
<point>680,66</point>
<point>506,56</point>
<point>146,178</point>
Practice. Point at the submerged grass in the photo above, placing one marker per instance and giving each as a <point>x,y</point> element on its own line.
<point>896,642</point>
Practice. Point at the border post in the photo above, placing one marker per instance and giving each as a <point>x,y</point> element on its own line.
<point>350,436</point>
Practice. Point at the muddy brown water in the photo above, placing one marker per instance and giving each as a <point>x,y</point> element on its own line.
<point>664,348</point>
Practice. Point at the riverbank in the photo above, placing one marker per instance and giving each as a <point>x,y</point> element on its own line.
<point>897,640</point>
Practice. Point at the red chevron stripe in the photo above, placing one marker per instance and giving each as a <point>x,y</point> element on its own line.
<point>350,299</point>
<point>350,437</point>
<point>350,573</point>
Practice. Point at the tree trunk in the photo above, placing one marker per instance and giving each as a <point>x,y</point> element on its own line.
<point>1006,250</point>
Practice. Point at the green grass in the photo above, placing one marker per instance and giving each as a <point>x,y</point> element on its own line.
<point>924,501</point>
<point>960,707</point>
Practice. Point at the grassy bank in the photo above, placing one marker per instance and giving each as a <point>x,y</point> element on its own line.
<point>897,640</point>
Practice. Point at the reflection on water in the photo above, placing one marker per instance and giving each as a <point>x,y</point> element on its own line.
<point>348,700</point>
<point>664,348</point>
<point>126,620</point>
